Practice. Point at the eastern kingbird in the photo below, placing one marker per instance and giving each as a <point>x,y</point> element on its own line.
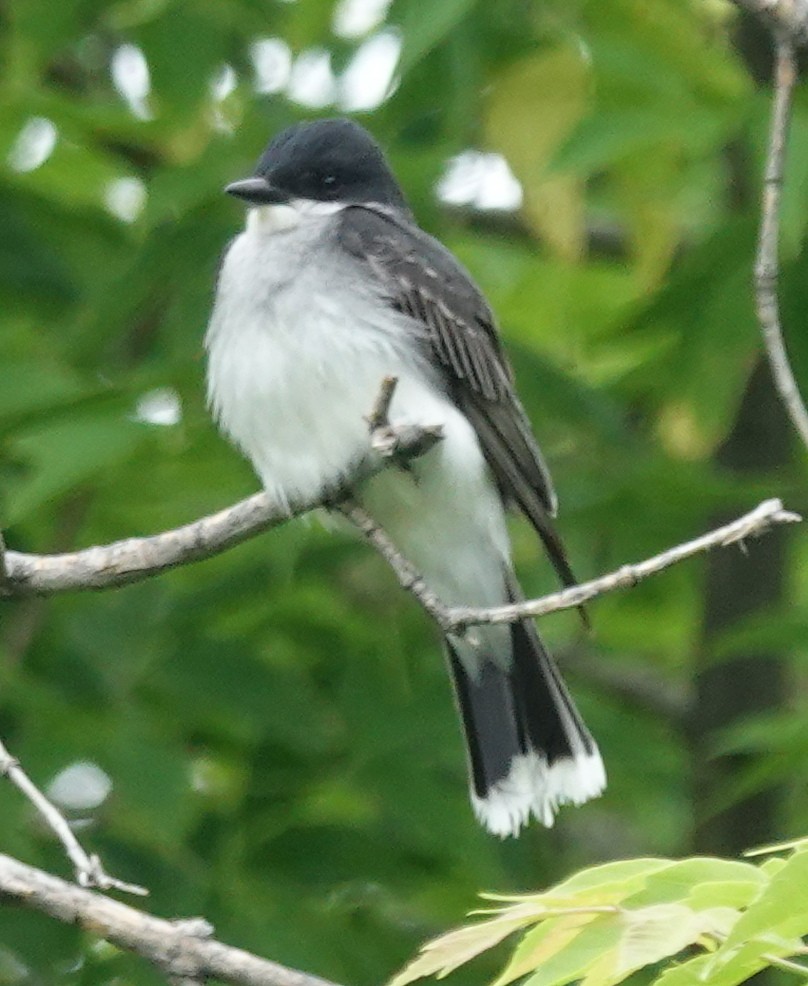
<point>332,287</point>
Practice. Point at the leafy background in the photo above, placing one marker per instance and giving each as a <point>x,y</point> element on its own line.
<point>268,738</point>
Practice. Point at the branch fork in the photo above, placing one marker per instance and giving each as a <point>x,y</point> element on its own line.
<point>457,619</point>
<point>400,442</point>
<point>88,868</point>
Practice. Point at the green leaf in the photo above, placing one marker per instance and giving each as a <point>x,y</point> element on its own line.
<point>702,882</point>
<point>60,456</point>
<point>780,911</point>
<point>445,954</point>
<point>541,943</point>
<point>746,960</point>
<point>552,87</point>
<point>690,973</point>
<point>628,873</point>
<point>652,934</point>
<point>589,892</point>
<point>425,26</point>
<point>580,954</point>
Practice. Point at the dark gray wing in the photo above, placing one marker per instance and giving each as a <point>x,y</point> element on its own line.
<point>422,279</point>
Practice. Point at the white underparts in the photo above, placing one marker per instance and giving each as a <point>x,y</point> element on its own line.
<point>534,787</point>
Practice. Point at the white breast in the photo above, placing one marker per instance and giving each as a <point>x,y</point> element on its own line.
<point>297,352</point>
<point>296,360</point>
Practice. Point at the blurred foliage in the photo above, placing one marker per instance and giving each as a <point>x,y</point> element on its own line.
<point>276,723</point>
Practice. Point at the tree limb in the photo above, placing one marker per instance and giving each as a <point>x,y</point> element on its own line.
<point>408,576</point>
<point>767,268</point>
<point>139,558</point>
<point>182,950</point>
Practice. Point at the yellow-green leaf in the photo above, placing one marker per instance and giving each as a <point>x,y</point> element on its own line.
<point>540,944</point>
<point>652,934</point>
<point>531,113</point>
<point>442,955</point>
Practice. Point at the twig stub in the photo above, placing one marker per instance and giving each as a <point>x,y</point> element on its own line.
<point>379,416</point>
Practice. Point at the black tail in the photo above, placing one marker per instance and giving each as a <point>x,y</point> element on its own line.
<point>528,748</point>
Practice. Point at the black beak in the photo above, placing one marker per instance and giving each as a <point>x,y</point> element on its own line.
<point>257,191</point>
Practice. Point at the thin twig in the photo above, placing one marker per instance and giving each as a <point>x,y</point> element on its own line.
<point>454,619</point>
<point>408,576</point>
<point>178,948</point>
<point>766,515</point>
<point>89,871</point>
<point>767,267</point>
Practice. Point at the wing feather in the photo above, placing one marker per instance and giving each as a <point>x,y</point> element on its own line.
<point>423,280</point>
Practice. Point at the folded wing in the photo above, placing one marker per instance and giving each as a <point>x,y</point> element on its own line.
<point>423,280</point>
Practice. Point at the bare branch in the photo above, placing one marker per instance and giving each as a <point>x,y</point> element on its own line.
<point>89,871</point>
<point>139,558</point>
<point>135,559</point>
<point>785,18</point>
<point>767,269</point>
<point>182,950</point>
<point>455,619</point>
<point>758,521</point>
<point>408,576</point>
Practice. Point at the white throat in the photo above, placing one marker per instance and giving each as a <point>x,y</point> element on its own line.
<point>268,219</point>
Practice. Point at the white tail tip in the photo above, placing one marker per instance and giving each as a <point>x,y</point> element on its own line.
<point>533,787</point>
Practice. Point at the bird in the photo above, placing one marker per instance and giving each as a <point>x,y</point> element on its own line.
<point>331,288</point>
